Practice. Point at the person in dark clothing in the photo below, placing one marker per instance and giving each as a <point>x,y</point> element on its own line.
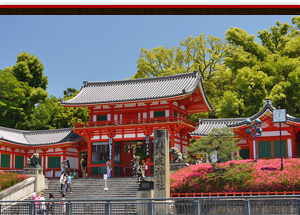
<point>139,175</point>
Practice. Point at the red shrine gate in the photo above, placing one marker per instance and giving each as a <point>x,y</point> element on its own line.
<point>123,114</point>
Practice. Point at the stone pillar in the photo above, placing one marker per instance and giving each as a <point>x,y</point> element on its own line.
<point>161,164</point>
<point>36,172</point>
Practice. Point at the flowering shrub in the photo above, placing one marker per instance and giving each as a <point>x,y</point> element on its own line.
<point>9,179</point>
<point>238,176</point>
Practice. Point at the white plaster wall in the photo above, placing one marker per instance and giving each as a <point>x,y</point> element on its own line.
<point>73,162</point>
<point>154,103</point>
<point>182,107</point>
<point>274,133</point>
<point>108,117</point>
<point>141,104</point>
<point>175,103</point>
<point>185,142</point>
<point>130,105</point>
<point>94,118</point>
<point>167,113</point>
<point>118,136</point>
<point>141,135</point>
<point>151,114</point>
<point>116,117</point>
<point>145,115</point>
<point>177,140</point>
<point>96,138</point>
<point>71,150</point>
<point>177,146</point>
<point>49,174</point>
<point>104,137</point>
<point>184,149</point>
<point>57,173</point>
<point>290,150</point>
<point>129,135</point>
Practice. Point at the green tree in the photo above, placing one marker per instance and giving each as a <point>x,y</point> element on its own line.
<point>43,115</point>
<point>29,69</point>
<point>52,115</point>
<point>269,69</point>
<point>68,115</point>
<point>13,97</point>
<point>220,139</point>
<point>205,55</point>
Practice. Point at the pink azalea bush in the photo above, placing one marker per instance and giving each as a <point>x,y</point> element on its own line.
<point>9,179</point>
<point>238,176</point>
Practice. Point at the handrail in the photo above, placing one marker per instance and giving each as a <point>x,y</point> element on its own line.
<point>235,194</point>
<point>157,199</point>
<point>132,121</point>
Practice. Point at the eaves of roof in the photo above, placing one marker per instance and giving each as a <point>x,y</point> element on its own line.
<point>137,90</point>
<point>37,138</point>
<point>268,106</point>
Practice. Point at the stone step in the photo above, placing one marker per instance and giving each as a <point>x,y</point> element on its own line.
<point>93,188</point>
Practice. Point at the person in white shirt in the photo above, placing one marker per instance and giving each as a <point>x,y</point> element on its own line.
<point>61,180</point>
<point>42,209</point>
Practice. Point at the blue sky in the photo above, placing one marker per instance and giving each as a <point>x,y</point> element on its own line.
<point>74,49</point>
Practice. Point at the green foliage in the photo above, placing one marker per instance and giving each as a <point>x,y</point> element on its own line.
<point>220,139</point>
<point>13,98</point>
<point>52,115</point>
<point>205,55</point>
<point>22,87</point>
<point>270,69</point>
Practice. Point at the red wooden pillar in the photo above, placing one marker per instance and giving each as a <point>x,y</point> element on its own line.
<point>13,158</point>
<point>64,149</point>
<point>26,156</point>
<point>91,114</point>
<point>89,163</point>
<point>171,109</point>
<point>251,151</point>
<point>44,160</point>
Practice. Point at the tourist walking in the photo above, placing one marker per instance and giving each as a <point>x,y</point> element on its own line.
<point>133,168</point>
<point>49,210</point>
<point>62,205</point>
<point>42,208</point>
<point>139,175</point>
<point>61,180</point>
<point>108,168</point>
<point>68,181</point>
<point>145,168</point>
<point>64,183</point>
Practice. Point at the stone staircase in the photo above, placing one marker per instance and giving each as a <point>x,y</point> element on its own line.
<point>93,188</point>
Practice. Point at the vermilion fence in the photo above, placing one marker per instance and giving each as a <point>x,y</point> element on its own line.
<point>233,194</point>
<point>137,121</point>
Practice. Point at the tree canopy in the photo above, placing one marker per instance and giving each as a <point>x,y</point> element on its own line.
<point>24,101</point>
<point>205,55</point>
<point>221,140</point>
<point>269,69</point>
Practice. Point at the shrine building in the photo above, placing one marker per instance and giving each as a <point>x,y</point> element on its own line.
<point>268,144</point>
<point>124,115</point>
<point>53,146</point>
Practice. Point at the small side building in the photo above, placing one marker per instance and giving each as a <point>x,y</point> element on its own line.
<point>268,144</point>
<point>53,146</point>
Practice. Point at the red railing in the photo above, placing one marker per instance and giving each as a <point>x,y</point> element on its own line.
<point>234,194</point>
<point>135,121</point>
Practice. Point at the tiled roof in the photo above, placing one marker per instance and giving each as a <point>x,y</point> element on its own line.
<point>137,89</point>
<point>268,106</point>
<point>205,126</point>
<point>33,138</point>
